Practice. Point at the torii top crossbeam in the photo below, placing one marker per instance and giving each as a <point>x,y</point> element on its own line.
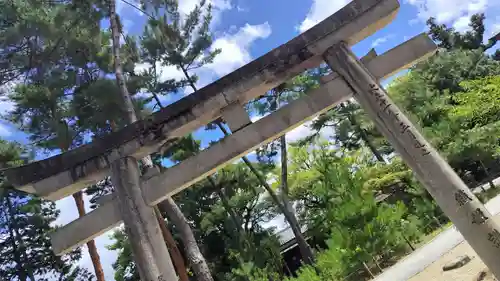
<point>61,175</point>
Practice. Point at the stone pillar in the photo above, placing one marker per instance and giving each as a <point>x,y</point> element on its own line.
<point>455,199</point>
<point>149,249</point>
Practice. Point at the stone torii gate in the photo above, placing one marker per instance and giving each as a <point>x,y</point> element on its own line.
<point>329,41</point>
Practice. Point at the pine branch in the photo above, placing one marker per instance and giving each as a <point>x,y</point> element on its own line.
<point>137,8</point>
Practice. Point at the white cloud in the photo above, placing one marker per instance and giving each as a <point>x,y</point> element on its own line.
<point>300,132</point>
<point>462,23</point>
<point>235,47</point>
<point>234,43</point>
<point>320,10</point>
<point>163,72</point>
<point>492,26</point>
<point>4,131</point>
<point>450,11</point>
<point>495,29</point>
<point>5,104</point>
<point>382,40</point>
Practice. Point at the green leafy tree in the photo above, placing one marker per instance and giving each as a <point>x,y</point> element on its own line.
<point>449,38</point>
<point>42,111</point>
<point>230,250</point>
<point>52,62</point>
<point>182,41</point>
<point>473,39</point>
<point>35,34</point>
<point>25,221</point>
<point>337,204</point>
<point>270,102</point>
<point>349,126</point>
<point>124,266</point>
<point>470,137</point>
<point>352,129</point>
<point>436,96</point>
<point>394,182</point>
<point>228,211</point>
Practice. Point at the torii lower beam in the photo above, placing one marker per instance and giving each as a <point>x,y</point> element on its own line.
<point>67,173</point>
<point>240,143</point>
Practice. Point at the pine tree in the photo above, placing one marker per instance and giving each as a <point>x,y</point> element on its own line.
<point>169,40</point>
<point>124,266</point>
<point>352,130</point>
<point>185,46</point>
<point>54,41</point>
<point>270,102</point>
<point>43,112</point>
<point>473,39</point>
<point>180,41</point>
<point>25,221</point>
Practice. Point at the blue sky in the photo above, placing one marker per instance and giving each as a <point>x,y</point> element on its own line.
<point>247,29</point>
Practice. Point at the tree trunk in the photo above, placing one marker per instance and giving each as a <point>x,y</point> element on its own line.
<point>173,211</point>
<point>377,264</point>
<point>362,134</point>
<point>64,145</point>
<point>172,245</point>
<point>370,145</point>
<point>287,209</point>
<point>127,106</point>
<point>194,255</point>
<point>225,203</point>
<point>409,243</point>
<point>487,173</point>
<point>305,249</point>
<point>368,270</point>
<point>94,255</point>
<point>284,166</point>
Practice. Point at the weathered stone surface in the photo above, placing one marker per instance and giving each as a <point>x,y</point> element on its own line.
<point>141,225</point>
<point>411,51</point>
<point>352,23</point>
<point>243,141</point>
<point>76,232</point>
<point>457,263</point>
<point>236,117</point>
